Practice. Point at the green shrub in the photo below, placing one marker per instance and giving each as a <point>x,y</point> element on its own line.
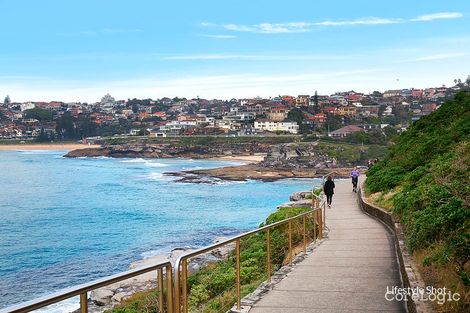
<point>430,162</point>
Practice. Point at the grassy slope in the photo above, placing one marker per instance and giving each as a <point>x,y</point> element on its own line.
<point>425,178</point>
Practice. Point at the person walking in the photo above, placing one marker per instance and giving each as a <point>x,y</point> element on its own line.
<point>328,189</point>
<point>355,178</point>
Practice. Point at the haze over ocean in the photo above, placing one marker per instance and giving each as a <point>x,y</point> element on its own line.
<point>68,221</point>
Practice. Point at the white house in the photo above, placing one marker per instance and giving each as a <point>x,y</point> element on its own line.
<point>274,126</point>
<point>27,106</point>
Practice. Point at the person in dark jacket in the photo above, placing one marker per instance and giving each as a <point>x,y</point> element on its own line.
<point>328,189</point>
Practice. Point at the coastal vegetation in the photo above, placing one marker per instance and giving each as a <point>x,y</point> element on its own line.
<point>424,180</point>
<point>212,288</point>
<point>351,153</point>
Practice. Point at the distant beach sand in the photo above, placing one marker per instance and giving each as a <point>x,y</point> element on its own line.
<point>57,146</point>
<point>256,158</point>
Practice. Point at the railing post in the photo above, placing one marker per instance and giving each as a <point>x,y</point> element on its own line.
<point>314,216</point>
<point>238,274</point>
<point>305,233</point>
<point>268,251</point>
<point>177,289</point>
<point>160,289</point>
<point>83,302</point>
<point>313,200</point>
<point>169,289</point>
<point>290,241</point>
<point>320,220</point>
<point>185,285</point>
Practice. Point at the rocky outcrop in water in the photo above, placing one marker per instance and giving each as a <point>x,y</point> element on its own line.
<point>291,160</point>
<point>261,172</point>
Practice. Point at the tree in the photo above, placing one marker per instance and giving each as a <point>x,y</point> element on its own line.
<point>315,99</point>
<point>65,127</point>
<point>85,127</point>
<point>135,108</point>
<point>382,109</point>
<point>39,114</point>
<point>401,115</point>
<point>107,99</point>
<point>43,137</point>
<point>296,115</point>
<point>334,122</point>
<point>7,101</point>
<point>390,131</point>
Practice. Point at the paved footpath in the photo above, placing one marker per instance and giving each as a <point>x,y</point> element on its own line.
<point>348,272</point>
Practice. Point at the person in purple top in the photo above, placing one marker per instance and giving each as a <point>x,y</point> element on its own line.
<point>355,178</point>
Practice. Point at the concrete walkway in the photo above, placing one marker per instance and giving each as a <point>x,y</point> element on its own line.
<point>349,272</point>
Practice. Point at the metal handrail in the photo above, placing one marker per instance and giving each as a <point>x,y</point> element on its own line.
<point>180,268</point>
<point>81,290</point>
<point>173,300</point>
<point>326,175</point>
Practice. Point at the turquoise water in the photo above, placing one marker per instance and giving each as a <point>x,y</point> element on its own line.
<point>67,221</point>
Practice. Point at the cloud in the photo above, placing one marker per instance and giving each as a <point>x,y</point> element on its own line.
<point>218,36</point>
<point>437,16</point>
<point>208,24</point>
<point>215,86</point>
<point>434,57</point>
<point>271,28</point>
<point>361,21</point>
<point>443,56</point>
<point>302,27</point>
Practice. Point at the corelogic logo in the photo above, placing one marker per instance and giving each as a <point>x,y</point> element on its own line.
<point>428,293</point>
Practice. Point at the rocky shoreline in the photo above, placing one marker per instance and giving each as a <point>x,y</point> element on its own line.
<point>291,160</point>
<point>108,297</point>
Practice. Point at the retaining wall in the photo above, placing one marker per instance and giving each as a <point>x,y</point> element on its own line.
<point>408,269</point>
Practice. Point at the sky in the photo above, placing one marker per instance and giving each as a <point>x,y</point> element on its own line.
<point>80,50</point>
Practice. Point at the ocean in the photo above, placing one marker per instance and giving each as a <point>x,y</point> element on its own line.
<point>68,221</point>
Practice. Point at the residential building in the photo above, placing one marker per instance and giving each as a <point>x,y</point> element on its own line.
<point>275,126</point>
<point>391,93</point>
<point>347,111</point>
<point>278,113</point>
<point>302,101</point>
<point>344,131</point>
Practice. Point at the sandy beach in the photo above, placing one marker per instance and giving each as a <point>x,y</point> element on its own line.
<point>256,158</point>
<point>39,146</point>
